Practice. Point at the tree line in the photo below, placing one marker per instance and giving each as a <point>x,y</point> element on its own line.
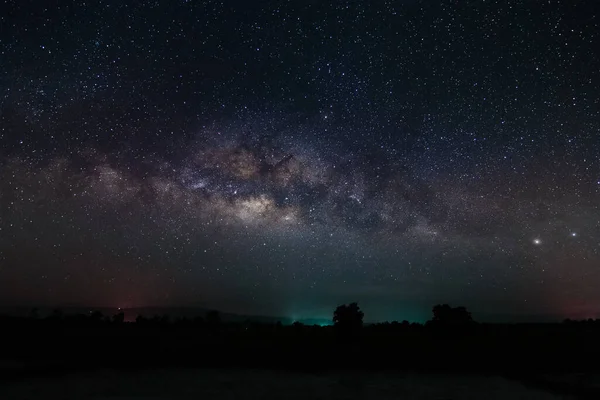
<point>348,319</point>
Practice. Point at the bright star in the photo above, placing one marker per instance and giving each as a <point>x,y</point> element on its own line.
<point>537,241</point>
<point>573,234</point>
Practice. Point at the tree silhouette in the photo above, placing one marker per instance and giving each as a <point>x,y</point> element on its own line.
<point>118,318</point>
<point>34,313</point>
<point>57,315</point>
<point>443,314</point>
<point>348,319</point>
<point>298,326</point>
<point>198,321</point>
<point>96,316</point>
<point>213,319</point>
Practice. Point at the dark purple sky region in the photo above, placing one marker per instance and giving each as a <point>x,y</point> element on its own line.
<point>281,158</point>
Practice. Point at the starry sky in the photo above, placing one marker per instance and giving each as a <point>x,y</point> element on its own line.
<point>283,157</point>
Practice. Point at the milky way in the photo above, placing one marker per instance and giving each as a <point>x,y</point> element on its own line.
<point>281,160</point>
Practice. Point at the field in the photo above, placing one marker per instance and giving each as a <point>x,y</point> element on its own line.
<point>85,357</point>
<point>264,384</point>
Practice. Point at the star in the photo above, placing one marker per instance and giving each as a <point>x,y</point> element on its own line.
<point>168,163</point>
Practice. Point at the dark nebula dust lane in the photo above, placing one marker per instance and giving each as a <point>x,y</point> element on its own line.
<point>281,159</point>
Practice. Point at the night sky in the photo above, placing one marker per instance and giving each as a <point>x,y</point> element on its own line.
<point>283,157</point>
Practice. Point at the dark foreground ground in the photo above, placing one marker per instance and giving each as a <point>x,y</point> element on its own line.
<point>155,360</point>
<point>264,384</point>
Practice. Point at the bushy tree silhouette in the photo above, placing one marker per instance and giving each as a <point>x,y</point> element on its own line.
<point>348,319</point>
<point>213,319</point>
<point>443,314</point>
<point>56,316</point>
<point>118,318</point>
<point>298,327</point>
<point>96,317</point>
<point>34,313</point>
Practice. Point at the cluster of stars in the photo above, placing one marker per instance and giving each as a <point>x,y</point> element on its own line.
<point>288,157</point>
